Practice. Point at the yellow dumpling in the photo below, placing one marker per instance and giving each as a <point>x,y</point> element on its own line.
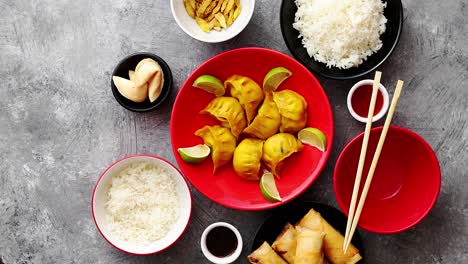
<point>247,91</point>
<point>221,141</point>
<point>267,122</point>
<point>293,110</point>
<point>229,112</point>
<point>247,157</point>
<point>277,148</point>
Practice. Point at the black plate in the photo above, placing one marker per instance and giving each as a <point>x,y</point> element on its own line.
<point>292,213</point>
<point>129,63</point>
<point>394,14</point>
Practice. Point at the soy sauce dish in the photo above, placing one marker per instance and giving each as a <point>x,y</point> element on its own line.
<point>359,98</point>
<point>221,243</point>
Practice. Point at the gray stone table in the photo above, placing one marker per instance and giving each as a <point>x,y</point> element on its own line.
<point>60,125</point>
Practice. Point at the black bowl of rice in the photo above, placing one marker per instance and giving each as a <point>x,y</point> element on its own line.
<point>341,39</point>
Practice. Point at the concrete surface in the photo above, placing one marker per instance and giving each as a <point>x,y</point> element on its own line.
<point>60,125</point>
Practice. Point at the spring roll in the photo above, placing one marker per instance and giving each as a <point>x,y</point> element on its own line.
<point>265,255</point>
<point>285,243</point>
<point>309,246</point>
<point>333,241</point>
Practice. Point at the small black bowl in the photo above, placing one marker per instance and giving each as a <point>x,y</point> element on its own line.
<point>292,213</point>
<point>129,63</point>
<point>394,14</point>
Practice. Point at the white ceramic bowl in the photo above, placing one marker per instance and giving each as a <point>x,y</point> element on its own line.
<point>99,212</point>
<point>382,111</point>
<point>217,260</point>
<point>190,26</point>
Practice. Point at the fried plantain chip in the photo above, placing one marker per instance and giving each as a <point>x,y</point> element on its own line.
<point>193,4</point>
<point>189,9</point>
<point>212,23</point>
<point>228,8</point>
<point>210,8</point>
<point>221,19</point>
<point>216,23</point>
<point>213,14</point>
<point>210,17</point>
<point>203,24</point>
<point>223,6</point>
<point>236,12</point>
<point>230,19</point>
<point>202,7</point>
<point>217,7</point>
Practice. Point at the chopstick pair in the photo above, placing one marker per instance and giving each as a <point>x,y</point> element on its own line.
<point>354,214</point>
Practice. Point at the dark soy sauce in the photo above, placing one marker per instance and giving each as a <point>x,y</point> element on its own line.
<point>361,100</point>
<point>221,241</point>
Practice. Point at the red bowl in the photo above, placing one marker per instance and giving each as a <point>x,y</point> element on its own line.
<point>406,182</point>
<point>225,187</point>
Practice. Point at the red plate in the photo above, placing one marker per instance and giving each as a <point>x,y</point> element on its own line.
<point>226,188</point>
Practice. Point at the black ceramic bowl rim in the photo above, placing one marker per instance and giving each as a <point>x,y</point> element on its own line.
<point>146,105</point>
<point>283,214</point>
<point>329,76</point>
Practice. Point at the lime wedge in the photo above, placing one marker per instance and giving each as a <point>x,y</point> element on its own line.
<point>274,78</point>
<point>268,187</point>
<point>194,154</point>
<point>313,137</point>
<point>210,84</point>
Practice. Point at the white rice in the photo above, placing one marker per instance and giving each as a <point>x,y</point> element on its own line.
<point>340,33</point>
<point>142,204</point>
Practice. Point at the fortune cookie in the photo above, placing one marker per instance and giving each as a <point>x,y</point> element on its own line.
<point>144,70</point>
<point>155,84</point>
<point>131,75</point>
<point>129,90</point>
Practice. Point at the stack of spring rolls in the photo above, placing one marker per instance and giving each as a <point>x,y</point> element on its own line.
<point>313,241</point>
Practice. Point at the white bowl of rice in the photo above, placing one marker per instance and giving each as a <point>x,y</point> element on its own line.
<point>141,204</point>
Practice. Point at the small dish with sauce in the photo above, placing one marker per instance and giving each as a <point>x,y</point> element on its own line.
<point>359,98</point>
<point>221,243</point>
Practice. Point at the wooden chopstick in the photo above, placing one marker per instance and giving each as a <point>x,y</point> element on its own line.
<point>362,156</point>
<point>365,190</point>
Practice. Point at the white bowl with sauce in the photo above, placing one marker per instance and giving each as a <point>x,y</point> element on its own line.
<point>221,243</point>
<point>100,197</point>
<point>359,98</point>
